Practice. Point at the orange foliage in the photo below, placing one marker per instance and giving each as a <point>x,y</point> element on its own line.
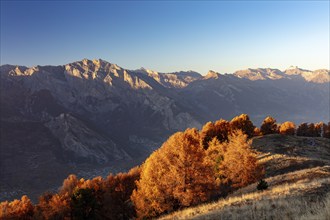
<point>320,128</point>
<point>234,161</point>
<point>69,184</point>
<point>287,128</point>
<point>243,123</point>
<point>112,196</point>
<point>17,209</point>
<point>117,192</point>
<point>268,126</point>
<point>257,132</point>
<point>220,129</point>
<point>174,176</point>
<point>314,130</point>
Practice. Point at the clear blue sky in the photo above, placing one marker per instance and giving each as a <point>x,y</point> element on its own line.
<point>168,35</point>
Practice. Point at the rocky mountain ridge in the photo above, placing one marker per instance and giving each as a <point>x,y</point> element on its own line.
<point>317,76</point>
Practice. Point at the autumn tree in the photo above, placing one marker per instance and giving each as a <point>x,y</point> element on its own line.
<point>234,161</point>
<point>57,206</point>
<point>220,129</point>
<point>174,176</point>
<point>319,129</point>
<point>243,123</point>
<point>326,131</point>
<point>84,204</point>
<point>268,126</point>
<point>287,128</point>
<point>311,130</point>
<point>69,184</point>
<point>207,133</point>
<point>302,129</point>
<point>17,209</point>
<point>117,192</point>
<point>42,209</point>
<point>257,132</point>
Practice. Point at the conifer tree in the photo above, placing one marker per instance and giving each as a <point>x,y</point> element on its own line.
<point>268,126</point>
<point>243,123</point>
<point>220,129</point>
<point>174,176</point>
<point>235,162</point>
<point>287,128</point>
<point>302,129</point>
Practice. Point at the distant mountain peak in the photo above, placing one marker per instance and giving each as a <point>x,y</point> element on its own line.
<point>212,74</point>
<point>292,67</point>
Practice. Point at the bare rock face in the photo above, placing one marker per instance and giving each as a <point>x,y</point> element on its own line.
<point>92,117</point>
<point>212,75</point>
<point>317,76</point>
<point>172,80</point>
<point>83,142</point>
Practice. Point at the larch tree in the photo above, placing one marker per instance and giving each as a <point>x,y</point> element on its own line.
<point>243,123</point>
<point>302,129</point>
<point>84,204</point>
<point>220,130</point>
<point>287,128</point>
<point>257,132</point>
<point>117,192</point>
<point>311,130</point>
<point>207,133</point>
<point>234,161</point>
<point>69,184</point>
<point>268,126</point>
<point>326,131</point>
<point>174,176</point>
<point>319,129</point>
<point>17,209</point>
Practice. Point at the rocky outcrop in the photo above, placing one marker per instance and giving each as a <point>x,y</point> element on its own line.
<point>292,73</point>
<point>82,142</point>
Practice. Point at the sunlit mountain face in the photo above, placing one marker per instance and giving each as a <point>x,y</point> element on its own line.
<point>93,117</point>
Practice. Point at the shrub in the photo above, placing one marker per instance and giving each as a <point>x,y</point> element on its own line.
<point>262,185</point>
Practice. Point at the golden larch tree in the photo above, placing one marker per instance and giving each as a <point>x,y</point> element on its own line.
<point>234,161</point>
<point>220,129</point>
<point>243,122</point>
<point>287,128</point>
<point>17,209</point>
<point>174,176</point>
<point>268,126</point>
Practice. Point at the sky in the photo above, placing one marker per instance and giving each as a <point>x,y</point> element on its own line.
<point>168,36</point>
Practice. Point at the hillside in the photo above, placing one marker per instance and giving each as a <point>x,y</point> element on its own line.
<point>298,175</point>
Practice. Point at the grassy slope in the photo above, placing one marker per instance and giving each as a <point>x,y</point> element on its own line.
<point>298,175</point>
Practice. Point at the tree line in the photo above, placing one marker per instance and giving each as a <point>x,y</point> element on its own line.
<point>269,126</point>
<point>191,167</point>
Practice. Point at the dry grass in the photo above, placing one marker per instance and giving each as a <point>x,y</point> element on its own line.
<point>287,201</point>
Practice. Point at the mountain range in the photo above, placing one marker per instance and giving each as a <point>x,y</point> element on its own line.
<point>92,117</point>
